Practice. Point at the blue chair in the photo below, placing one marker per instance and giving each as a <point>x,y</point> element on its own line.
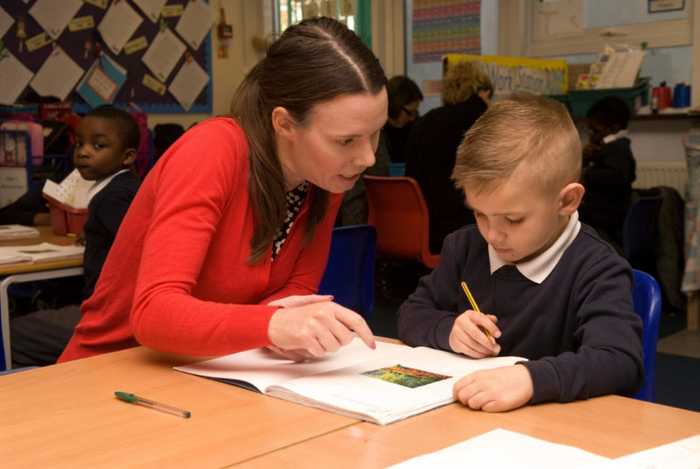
<point>640,230</point>
<point>647,304</point>
<point>349,274</point>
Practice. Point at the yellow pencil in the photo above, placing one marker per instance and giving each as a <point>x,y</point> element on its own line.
<point>475,306</point>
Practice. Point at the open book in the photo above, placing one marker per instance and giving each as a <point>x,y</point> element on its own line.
<point>10,232</point>
<point>381,386</point>
<point>39,253</point>
<point>73,191</point>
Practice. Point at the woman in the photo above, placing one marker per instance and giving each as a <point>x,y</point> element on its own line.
<point>228,236</point>
<point>432,147</point>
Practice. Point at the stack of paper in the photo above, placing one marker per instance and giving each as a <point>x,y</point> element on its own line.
<point>39,253</point>
<point>17,232</point>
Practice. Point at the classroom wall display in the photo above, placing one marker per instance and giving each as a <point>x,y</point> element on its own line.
<point>513,74</point>
<point>444,27</point>
<point>153,53</point>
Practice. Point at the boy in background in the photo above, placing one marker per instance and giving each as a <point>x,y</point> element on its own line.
<point>106,143</point>
<point>608,169</point>
<point>551,289</point>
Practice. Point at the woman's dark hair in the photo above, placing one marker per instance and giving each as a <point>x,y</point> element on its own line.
<point>610,111</point>
<point>312,62</point>
<point>402,91</point>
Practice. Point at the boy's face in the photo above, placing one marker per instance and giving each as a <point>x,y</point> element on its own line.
<point>99,150</point>
<point>519,219</point>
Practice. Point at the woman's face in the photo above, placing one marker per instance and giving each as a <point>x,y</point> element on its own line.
<point>336,143</point>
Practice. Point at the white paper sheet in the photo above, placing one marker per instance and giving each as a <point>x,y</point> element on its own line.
<point>5,22</point>
<point>151,8</point>
<point>503,449</point>
<point>681,454</point>
<point>118,25</point>
<point>14,77</point>
<point>57,76</point>
<point>163,54</point>
<point>52,18</point>
<point>194,23</point>
<point>188,83</point>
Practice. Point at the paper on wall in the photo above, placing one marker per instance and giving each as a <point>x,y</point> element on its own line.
<point>151,8</point>
<point>14,77</point>
<point>119,23</point>
<point>102,82</point>
<point>54,20</point>
<point>195,23</point>
<point>57,76</point>
<point>188,83</point>
<point>163,54</point>
<point>5,22</point>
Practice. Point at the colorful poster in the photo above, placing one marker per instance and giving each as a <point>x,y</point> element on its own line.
<point>445,27</point>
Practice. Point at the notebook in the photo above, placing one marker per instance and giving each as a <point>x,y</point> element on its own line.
<point>381,386</point>
<point>10,232</point>
<point>39,253</point>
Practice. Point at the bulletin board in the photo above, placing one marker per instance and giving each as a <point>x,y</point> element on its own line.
<point>84,46</point>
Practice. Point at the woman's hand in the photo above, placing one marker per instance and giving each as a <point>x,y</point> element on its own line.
<point>316,328</point>
<point>473,334</point>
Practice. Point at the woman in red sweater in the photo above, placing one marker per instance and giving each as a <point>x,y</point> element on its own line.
<point>225,243</point>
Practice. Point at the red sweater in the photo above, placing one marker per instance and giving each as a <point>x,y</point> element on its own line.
<point>177,278</point>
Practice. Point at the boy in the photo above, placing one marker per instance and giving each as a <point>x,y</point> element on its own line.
<point>608,169</point>
<point>553,292</point>
<point>105,149</point>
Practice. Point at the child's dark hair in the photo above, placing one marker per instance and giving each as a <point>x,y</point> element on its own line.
<point>610,111</point>
<point>128,128</point>
<point>402,91</point>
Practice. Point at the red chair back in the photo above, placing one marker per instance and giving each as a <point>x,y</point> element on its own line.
<point>398,212</point>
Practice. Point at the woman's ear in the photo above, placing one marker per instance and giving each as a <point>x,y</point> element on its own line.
<point>570,198</point>
<point>282,122</point>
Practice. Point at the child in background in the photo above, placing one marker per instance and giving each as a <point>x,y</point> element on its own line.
<point>608,169</point>
<point>105,150</point>
<point>551,289</point>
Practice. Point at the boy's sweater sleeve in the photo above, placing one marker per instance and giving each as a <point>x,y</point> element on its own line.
<point>427,316</point>
<point>609,355</point>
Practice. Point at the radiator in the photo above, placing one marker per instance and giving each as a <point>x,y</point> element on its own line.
<point>662,173</point>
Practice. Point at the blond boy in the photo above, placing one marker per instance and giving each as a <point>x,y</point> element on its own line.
<point>550,289</point>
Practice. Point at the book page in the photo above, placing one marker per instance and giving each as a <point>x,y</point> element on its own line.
<point>388,388</point>
<point>263,369</point>
<point>163,54</point>
<point>503,449</point>
<point>54,19</point>
<point>681,454</point>
<point>57,76</point>
<point>118,25</point>
<point>14,77</point>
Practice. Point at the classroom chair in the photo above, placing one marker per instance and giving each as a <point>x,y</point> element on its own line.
<point>647,304</point>
<point>640,231</point>
<point>398,211</point>
<point>349,274</point>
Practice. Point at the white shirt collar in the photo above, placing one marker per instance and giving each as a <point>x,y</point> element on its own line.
<point>612,137</point>
<point>99,185</point>
<point>539,268</point>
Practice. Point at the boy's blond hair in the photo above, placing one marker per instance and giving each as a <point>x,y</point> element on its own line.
<point>462,80</point>
<point>525,130</point>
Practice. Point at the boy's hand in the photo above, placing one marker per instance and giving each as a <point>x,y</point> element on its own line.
<point>496,390</point>
<point>468,335</point>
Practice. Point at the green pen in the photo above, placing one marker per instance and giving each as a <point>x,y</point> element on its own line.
<point>134,399</point>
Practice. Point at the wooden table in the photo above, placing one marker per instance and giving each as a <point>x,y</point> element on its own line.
<point>611,426</point>
<point>29,272</point>
<point>66,416</point>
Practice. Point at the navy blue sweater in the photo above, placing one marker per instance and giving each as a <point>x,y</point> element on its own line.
<point>578,327</point>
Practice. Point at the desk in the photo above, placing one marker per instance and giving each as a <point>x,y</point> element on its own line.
<point>29,272</point>
<point>611,426</point>
<point>66,416</point>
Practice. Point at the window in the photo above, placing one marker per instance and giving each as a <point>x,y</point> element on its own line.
<point>289,12</point>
